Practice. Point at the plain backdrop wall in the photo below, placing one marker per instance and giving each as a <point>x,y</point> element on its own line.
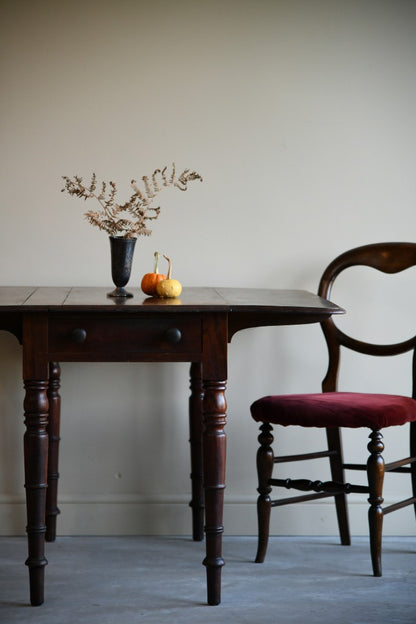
<point>300,117</point>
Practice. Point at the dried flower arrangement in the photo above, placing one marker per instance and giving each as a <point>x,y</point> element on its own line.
<point>113,218</point>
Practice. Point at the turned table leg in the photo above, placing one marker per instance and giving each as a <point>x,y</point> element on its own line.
<point>214,372</point>
<point>36,408</point>
<point>214,446</point>
<point>54,399</point>
<point>36,460</point>
<point>195,439</point>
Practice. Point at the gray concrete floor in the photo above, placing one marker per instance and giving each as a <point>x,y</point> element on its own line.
<point>124,580</point>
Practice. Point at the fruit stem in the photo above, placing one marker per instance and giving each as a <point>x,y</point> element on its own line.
<point>170,266</point>
<point>156,262</point>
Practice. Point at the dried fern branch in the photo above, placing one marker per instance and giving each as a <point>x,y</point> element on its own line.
<point>131,218</point>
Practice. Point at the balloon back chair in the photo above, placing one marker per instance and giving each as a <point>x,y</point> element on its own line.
<point>333,410</point>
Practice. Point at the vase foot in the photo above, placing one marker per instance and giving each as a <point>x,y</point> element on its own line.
<point>120,291</point>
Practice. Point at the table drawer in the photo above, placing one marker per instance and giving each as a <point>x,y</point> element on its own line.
<point>124,335</point>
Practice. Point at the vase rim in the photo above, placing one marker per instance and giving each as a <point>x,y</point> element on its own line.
<point>127,238</point>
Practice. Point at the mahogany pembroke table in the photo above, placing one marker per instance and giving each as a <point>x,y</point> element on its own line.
<point>62,324</point>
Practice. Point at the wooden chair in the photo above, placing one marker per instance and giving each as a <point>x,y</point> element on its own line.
<point>333,410</point>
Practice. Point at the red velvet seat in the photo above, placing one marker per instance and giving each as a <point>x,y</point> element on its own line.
<point>343,409</point>
<point>333,410</point>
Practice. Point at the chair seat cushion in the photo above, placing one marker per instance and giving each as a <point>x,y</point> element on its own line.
<point>335,409</point>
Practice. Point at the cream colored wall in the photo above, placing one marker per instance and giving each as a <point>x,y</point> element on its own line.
<point>300,116</point>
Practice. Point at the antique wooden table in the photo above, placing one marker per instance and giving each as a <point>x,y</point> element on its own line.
<point>84,325</point>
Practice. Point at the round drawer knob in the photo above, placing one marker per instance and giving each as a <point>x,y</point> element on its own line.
<point>173,335</point>
<point>78,335</point>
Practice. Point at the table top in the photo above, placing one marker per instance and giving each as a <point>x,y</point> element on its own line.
<point>62,298</point>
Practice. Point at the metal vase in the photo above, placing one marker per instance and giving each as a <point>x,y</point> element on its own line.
<point>122,250</point>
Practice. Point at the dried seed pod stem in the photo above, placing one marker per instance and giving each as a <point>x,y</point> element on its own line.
<point>113,218</point>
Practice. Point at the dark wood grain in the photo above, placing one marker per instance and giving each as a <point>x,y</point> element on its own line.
<point>36,408</point>
<point>234,300</point>
<point>121,337</point>
<point>197,503</point>
<point>53,428</point>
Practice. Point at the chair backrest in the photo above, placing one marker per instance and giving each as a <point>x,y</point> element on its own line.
<point>385,257</point>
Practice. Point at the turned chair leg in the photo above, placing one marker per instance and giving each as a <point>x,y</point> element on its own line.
<point>375,474</point>
<point>337,474</point>
<point>264,470</point>
<point>413,454</point>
